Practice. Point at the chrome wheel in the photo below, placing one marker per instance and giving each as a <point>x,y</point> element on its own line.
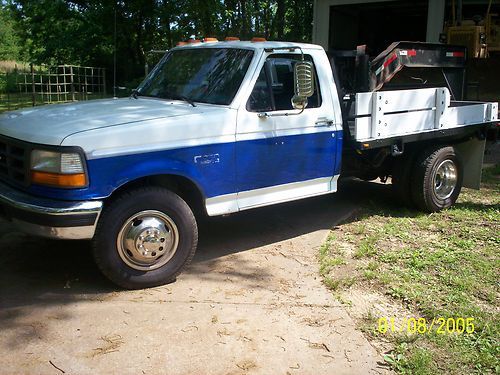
<point>445,179</point>
<point>147,240</point>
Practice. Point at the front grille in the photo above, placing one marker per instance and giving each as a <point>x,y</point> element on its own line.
<point>13,161</point>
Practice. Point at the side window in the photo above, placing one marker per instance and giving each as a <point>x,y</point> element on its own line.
<point>273,90</point>
<point>260,99</point>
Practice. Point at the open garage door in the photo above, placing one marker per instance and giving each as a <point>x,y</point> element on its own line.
<point>377,24</point>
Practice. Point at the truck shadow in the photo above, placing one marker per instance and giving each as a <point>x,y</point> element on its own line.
<point>37,273</point>
<point>246,230</point>
<point>31,267</point>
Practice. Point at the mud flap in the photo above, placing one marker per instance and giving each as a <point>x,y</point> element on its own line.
<point>472,154</point>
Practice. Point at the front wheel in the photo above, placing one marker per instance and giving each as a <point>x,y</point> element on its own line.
<point>437,180</point>
<point>144,238</point>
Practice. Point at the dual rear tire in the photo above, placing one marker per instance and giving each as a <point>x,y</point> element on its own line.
<point>430,180</point>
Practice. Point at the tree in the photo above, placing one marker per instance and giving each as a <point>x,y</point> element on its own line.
<point>82,31</point>
<point>10,42</point>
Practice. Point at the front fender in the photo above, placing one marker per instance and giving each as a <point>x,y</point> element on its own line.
<point>210,167</point>
<point>132,168</point>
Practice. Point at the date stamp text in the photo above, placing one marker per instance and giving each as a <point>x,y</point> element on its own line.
<point>423,326</point>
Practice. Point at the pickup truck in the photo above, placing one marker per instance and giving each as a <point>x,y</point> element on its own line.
<point>221,127</point>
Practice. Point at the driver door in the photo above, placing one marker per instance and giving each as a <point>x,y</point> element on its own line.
<point>282,154</point>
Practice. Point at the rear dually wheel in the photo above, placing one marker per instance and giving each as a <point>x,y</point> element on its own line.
<point>437,180</point>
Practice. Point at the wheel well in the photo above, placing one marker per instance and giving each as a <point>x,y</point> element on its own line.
<point>182,186</point>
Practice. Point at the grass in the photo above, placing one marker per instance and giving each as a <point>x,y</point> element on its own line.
<point>442,265</point>
<point>10,102</point>
<point>13,101</point>
<point>7,66</point>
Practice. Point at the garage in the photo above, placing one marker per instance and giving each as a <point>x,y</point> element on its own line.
<point>475,24</point>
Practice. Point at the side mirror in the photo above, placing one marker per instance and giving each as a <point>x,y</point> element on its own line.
<point>303,81</point>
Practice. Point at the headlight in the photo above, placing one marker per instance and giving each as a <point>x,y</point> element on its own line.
<point>57,169</point>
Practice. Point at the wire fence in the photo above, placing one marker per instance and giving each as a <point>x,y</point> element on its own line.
<point>30,85</point>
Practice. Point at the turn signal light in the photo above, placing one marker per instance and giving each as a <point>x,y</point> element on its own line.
<point>59,180</point>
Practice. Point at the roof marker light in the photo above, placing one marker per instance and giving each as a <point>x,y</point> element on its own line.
<point>210,40</point>
<point>232,39</point>
<point>181,43</point>
<point>257,39</point>
<point>193,41</point>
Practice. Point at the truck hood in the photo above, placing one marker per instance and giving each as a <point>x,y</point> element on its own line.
<point>51,124</point>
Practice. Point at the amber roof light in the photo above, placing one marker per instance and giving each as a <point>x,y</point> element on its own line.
<point>257,39</point>
<point>232,39</point>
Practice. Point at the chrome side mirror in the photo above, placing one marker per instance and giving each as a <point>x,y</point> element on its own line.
<point>303,80</point>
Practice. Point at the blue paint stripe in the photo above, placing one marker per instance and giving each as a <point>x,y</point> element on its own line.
<point>261,163</point>
<point>281,160</point>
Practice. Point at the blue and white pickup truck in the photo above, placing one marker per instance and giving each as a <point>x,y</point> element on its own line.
<point>221,127</point>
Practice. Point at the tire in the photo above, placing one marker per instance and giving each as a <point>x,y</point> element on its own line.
<point>144,238</point>
<point>437,179</point>
<point>401,179</point>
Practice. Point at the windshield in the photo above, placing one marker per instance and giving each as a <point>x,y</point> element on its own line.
<point>206,75</point>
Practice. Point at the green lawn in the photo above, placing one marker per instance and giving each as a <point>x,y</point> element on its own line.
<point>443,265</point>
<point>15,101</point>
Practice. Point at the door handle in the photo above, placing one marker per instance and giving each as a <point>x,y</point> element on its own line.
<point>323,122</point>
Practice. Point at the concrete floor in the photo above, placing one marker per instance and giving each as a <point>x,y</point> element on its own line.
<point>251,302</point>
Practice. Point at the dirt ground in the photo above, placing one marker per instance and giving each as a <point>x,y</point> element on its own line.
<point>251,302</point>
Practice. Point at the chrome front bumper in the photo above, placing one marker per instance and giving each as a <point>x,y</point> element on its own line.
<point>48,217</point>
